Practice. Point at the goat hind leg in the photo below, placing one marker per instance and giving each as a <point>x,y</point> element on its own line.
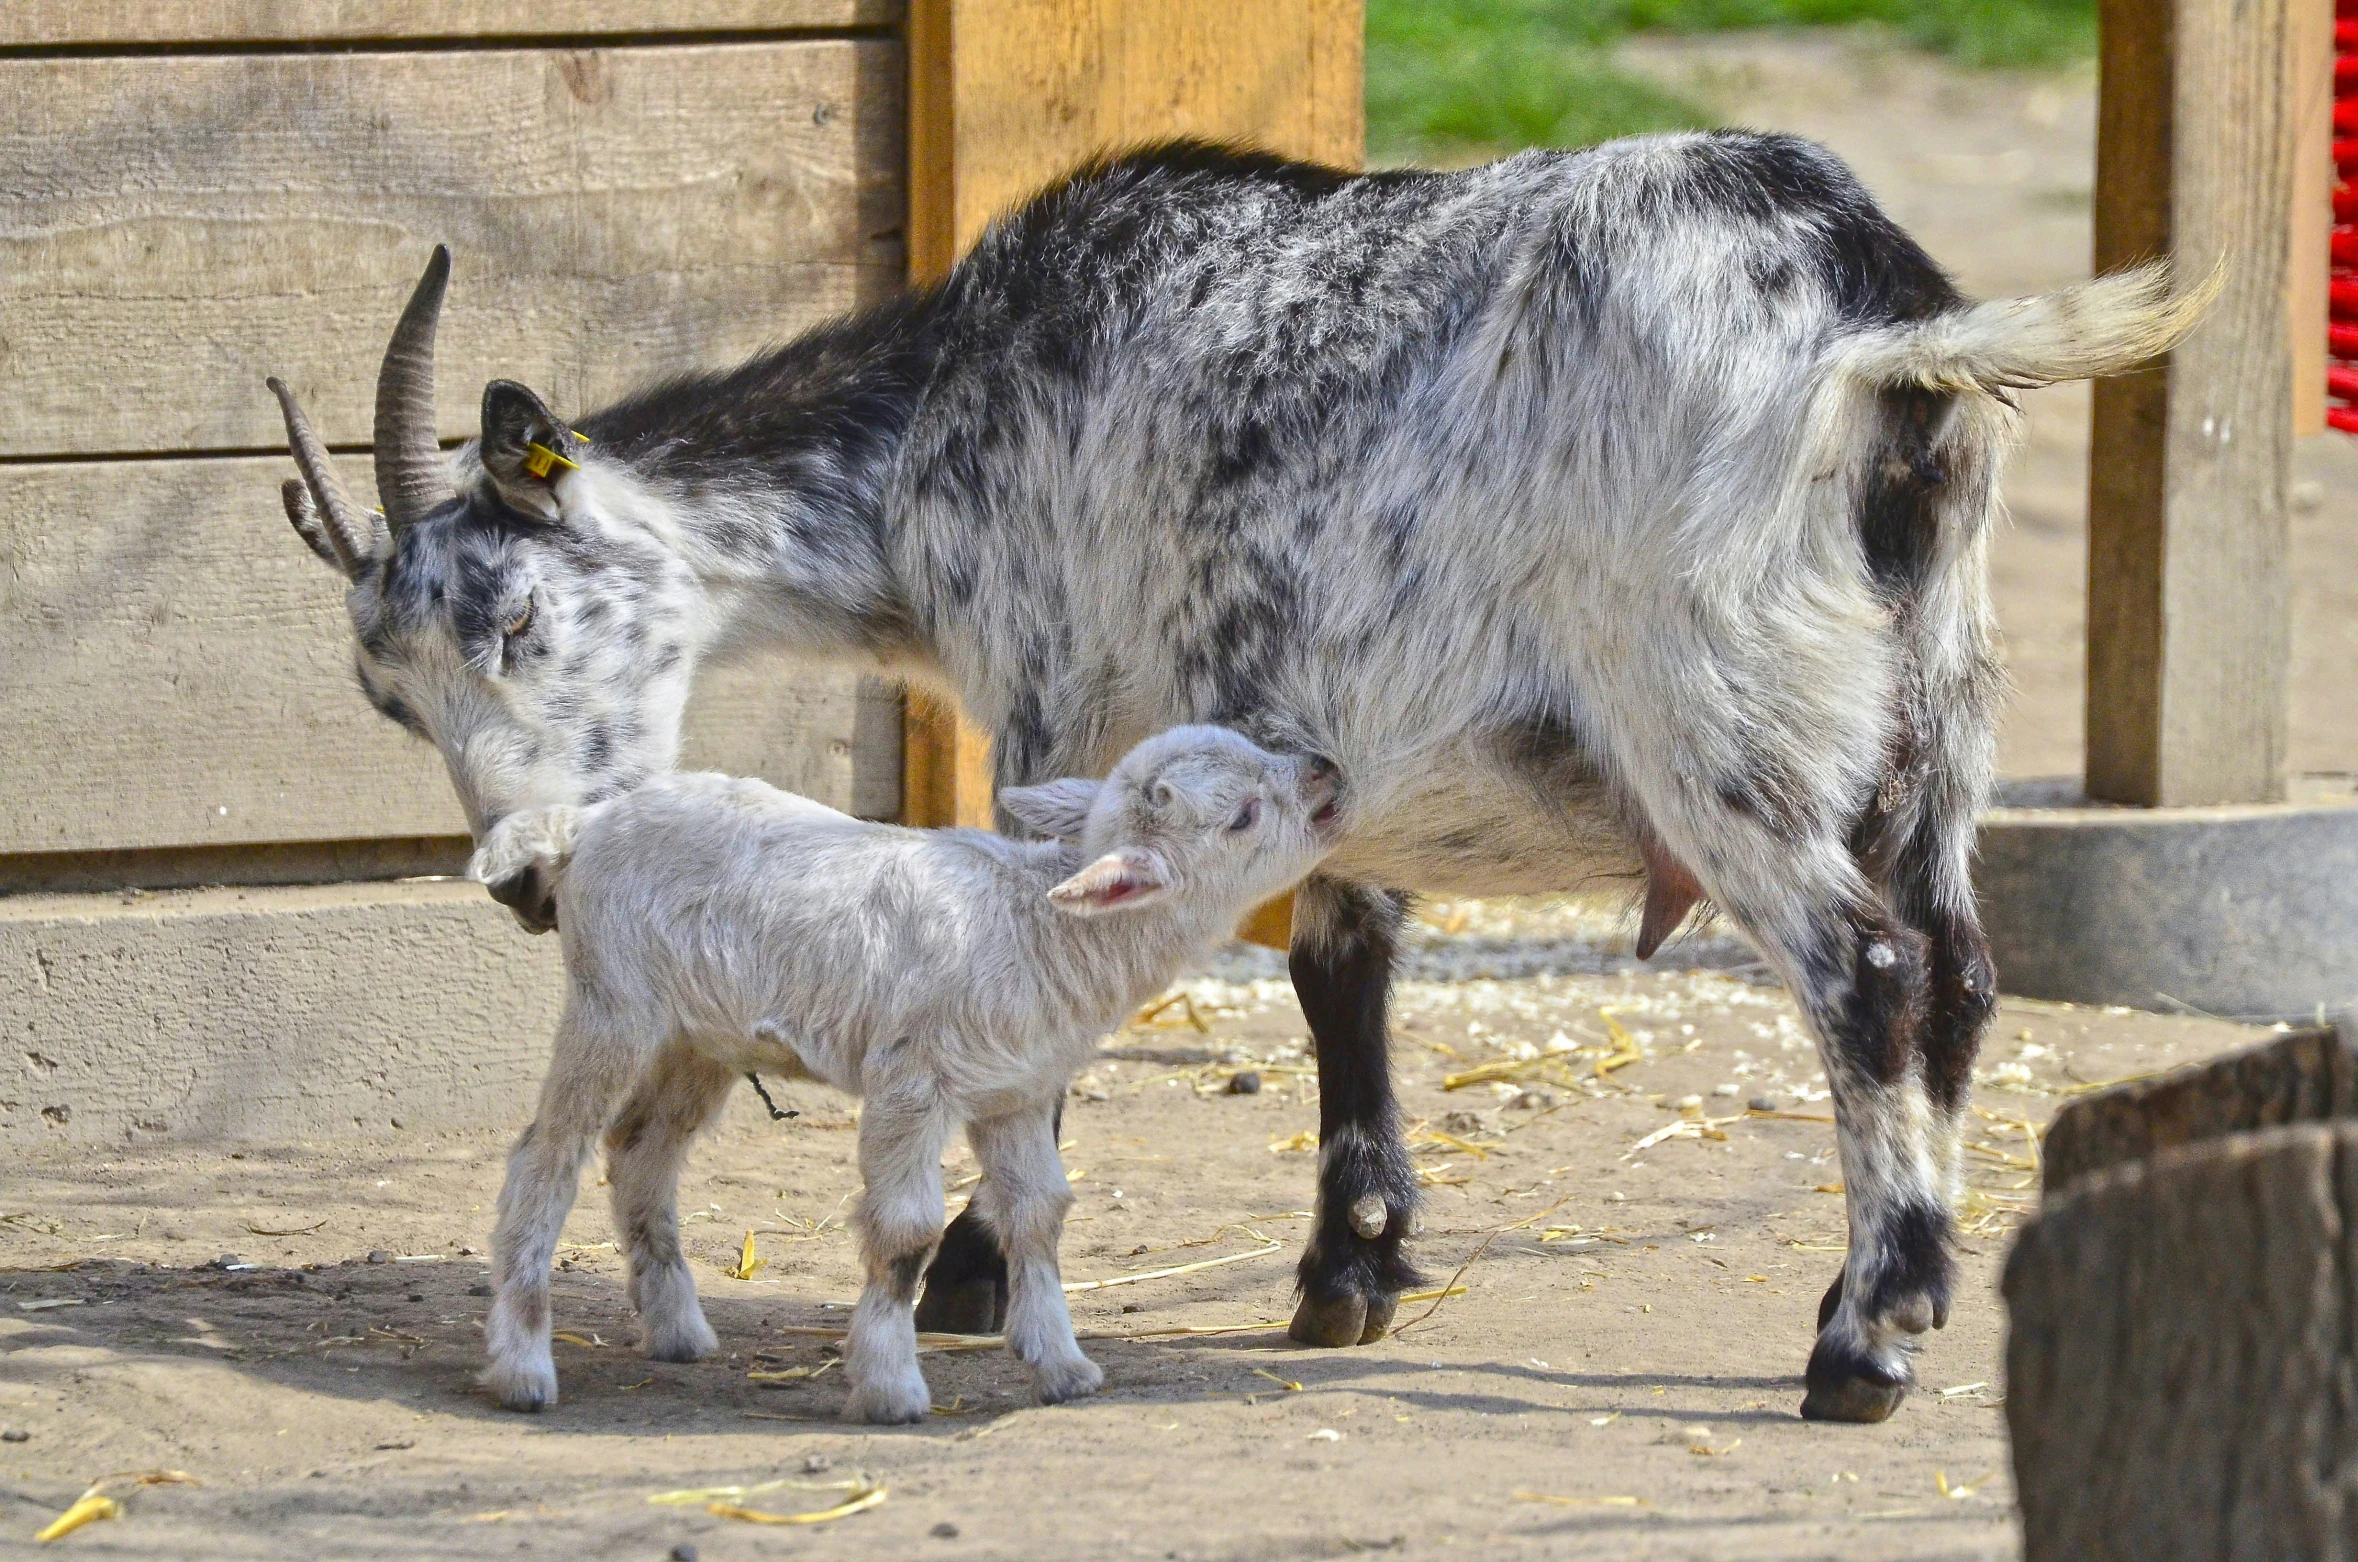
<point>645,1148</point>
<point>1354,1269</point>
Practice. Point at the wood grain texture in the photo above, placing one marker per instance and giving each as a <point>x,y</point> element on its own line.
<point>175,670</point>
<point>2188,592</point>
<point>2179,1354</point>
<point>2304,1076</point>
<point>96,23</point>
<point>174,228</point>
<point>1006,95</point>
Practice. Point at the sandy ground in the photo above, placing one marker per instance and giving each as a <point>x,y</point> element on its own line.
<point>1618,1378</point>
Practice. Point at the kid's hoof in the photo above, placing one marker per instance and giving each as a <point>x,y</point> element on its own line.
<point>1338,1321</point>
<point>889,1404</point>
<point>1065,1380</point>
<point>1843,1387</point>
<point>976,1306</point>
<point>686,1339</point>
<point>525,1387</point>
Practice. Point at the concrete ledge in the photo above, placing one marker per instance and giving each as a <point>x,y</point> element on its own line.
<point>2240,912</point>
<point>269,1014</point>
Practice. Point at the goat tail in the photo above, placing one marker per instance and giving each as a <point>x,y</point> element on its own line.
<point>2105,326</point>
<point>539,838</point>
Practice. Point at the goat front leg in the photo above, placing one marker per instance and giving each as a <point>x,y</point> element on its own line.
<point>1023,1197</point>
<point>645,1149</point>
<point>1354,1269</point>
<point>590,1066</point>
<point>902,1130</point>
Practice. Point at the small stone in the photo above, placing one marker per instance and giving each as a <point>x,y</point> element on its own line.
<point>1761,1104</point>
<point>945,1530</point>
<point>1246,1083</point>
<point>380,1255</point>
<point>227,1261</point>
<point>16,1434</point>
<point>478,1290</point>
<point>1133,1307</point>
<point>1530,1100</point>
<point>816,1464</point>
<point>417,1296</point>
<point>685,1551</point>
<point>1463,1122</point>
<point>1723,1089</point>
<point>173,1234</point>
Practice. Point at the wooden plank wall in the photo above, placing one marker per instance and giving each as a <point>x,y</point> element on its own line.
<point>179,219</point>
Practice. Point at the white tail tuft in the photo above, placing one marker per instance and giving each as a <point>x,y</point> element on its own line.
<point>533,838</point>
<point>2105,326</point>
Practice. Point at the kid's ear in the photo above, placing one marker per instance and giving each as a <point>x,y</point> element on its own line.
<point>1054,810</point>
<point>1114,882</point>
<point>524,446</point>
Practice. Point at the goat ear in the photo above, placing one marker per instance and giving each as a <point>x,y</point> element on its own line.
<point>1116,881</point>
<point>1054,810</point>
<point>308,525</point>
<point>524,446</point>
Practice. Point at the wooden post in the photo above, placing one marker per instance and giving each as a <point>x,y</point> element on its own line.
<point>2189,591</point>
<point>1005,95</point>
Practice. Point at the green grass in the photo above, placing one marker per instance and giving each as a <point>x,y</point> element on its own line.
<point>1449,77</point>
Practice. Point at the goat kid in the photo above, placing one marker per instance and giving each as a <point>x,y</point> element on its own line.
<point>715,926</point>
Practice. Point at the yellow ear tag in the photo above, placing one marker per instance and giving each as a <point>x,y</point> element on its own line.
<point>539,458</point>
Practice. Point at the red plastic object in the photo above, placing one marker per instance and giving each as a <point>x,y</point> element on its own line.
<point>2345,37</point>
<point>2343,293</point>
<point>2345,203</point>
<point>2342,418</point>
<point>2341,382</point>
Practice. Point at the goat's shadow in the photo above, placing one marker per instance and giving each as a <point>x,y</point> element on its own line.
<point>411,1332</point>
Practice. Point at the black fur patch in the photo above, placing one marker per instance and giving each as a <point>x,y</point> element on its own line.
<point>1898,504</point>
<point>1913,1248</point>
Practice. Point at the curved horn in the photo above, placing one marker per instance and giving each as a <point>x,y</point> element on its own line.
<point>348,528</point>
<point>411,478</point>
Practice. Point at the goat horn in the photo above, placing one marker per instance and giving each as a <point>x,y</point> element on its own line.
<point>411,478</point>
<point>348,530</point>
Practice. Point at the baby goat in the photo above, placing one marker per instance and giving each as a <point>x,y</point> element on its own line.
<point>714,926</point>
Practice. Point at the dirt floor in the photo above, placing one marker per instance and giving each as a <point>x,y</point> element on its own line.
<point>1618,1377</point>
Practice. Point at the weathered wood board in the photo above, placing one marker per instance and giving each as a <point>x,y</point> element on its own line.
<point>2179,1355</point>
<point>175,670</point>
<point>2303,1076</point>
<point>62,23</point>
<point>173,227</point>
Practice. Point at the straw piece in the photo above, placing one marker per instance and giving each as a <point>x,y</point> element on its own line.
<point>858,1503</point>
<point>291,1231</point>
<point>94,1504</point>
<point>748,1264</point>
<point>1176,1269</point>
<point>1288,1384</point>
<point>791,1374</point>
<point>1299,1144</point>
<point>1580,1502</point>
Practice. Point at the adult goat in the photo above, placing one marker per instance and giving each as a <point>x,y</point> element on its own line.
<point>1596,512</point>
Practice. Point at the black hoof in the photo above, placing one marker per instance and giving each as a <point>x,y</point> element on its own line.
<point>975,1306</point>
<point>1828,1302</point>
<point>1337,1321</point>
<point>1844,1387</point>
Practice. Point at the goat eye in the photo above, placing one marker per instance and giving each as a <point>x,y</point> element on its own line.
<point>1246,816</point>
<point>521,622</point>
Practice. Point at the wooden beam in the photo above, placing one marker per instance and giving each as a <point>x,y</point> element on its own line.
<point>2188,584</point>
<point>1006,95</point>
<point>2308,86</point>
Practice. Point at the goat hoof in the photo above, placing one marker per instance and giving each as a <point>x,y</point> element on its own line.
<point>1846,1387</point>
<point>1065,1380</point>
<point>1332,1322</point>
<point>903,1402</point>
<point>684,1339</point>
<point>976,1306</point>
<point>1379,1318</point>
<point>524,1386</point>
<point>1830,1301</point>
